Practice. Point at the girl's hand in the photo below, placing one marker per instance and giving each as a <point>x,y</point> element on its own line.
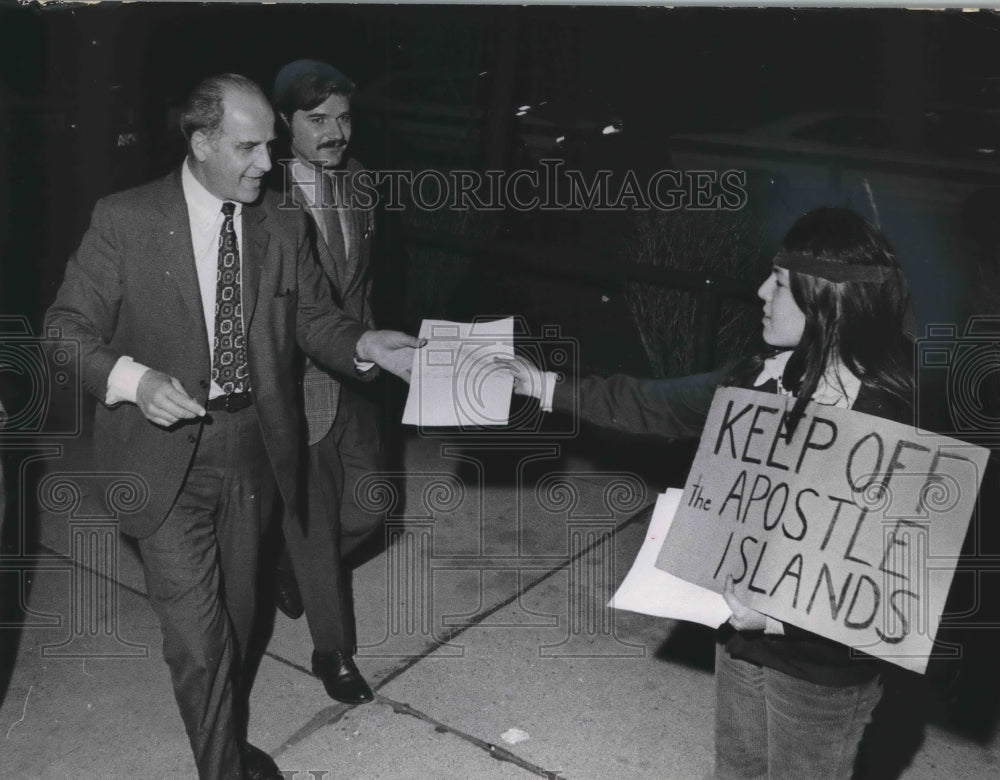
<point>744,618</point>
<point>528,379</point>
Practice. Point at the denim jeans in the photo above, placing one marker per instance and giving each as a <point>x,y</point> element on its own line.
<point>771,725</point>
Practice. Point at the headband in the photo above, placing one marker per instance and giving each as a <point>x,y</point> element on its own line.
<point>831,270</point>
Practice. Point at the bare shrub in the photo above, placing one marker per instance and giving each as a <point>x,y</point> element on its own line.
<point>721,244</point>
<point>435,276</point>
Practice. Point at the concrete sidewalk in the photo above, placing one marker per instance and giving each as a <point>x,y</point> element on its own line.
<point>482,627</point>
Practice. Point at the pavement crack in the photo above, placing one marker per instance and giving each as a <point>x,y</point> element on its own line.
<point>494,751</point>
<point>328,716</point>
<point>457,631</point>
<point>95,571</point>
<point>24,711</point>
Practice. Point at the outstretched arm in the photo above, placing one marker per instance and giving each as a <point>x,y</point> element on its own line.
<point>334,339</point>
<point>671,408</point>
<point>390,349</point>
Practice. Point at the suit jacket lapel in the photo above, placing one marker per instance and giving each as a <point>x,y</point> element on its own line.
<point>177,260</point>
<point>352,237</point>
<point>324,252</point>
<point>256,238</point>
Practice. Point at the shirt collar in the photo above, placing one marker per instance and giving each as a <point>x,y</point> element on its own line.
<point>773,368</point>
<point>203,207</point>
<point>838,387</point>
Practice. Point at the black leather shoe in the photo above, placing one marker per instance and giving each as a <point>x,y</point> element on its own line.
<point>258,765</point>
<point>341,677</point>
<point>286,593</point>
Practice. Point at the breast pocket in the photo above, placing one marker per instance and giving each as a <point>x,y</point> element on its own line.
<point>283,310</point>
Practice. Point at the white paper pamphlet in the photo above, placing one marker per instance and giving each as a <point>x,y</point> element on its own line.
<point>454,381</point>
<point>652,591</point>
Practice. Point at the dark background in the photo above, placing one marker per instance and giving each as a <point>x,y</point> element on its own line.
<point>73,80</point>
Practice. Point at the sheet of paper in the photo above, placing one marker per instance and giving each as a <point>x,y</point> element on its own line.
<point>652,591</point>
<point>455,381</point>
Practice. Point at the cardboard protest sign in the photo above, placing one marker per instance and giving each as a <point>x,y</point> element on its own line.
<point>850,527</point>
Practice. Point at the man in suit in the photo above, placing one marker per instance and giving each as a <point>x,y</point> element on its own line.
<point>187,297</point>
<point>313,100</point>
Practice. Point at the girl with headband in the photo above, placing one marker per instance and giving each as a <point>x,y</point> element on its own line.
<point>789,703</point>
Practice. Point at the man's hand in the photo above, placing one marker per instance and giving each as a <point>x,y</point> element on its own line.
<point>390,349</point>
<point>164,401</point>
<point>529,380</point>
<point>744,618</point>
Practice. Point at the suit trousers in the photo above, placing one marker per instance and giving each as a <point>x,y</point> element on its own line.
<point>337,519</point>
<point>201,567</point>
<point>773,726</point>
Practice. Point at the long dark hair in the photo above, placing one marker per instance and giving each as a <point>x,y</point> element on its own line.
<point>863,323</point>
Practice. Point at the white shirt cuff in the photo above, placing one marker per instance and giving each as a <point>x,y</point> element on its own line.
<point>772,626</point>
<point>123,381</point>
<point>363,366</point>
<point>547,390</point>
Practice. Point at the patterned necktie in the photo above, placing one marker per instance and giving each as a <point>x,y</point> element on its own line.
<point>229,361</point>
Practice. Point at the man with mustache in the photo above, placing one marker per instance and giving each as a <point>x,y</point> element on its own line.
<point>187,297</point>
<point>313,100</point>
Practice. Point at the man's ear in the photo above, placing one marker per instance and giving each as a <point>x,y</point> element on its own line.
<point>201,145</point>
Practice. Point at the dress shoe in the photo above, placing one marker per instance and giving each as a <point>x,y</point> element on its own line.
<point>258,765</point>
<point>286,593</point>
<point>341,677</point>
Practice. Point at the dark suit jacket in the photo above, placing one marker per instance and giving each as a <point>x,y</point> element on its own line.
<point>131,289</point>
<point>349,276</point>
